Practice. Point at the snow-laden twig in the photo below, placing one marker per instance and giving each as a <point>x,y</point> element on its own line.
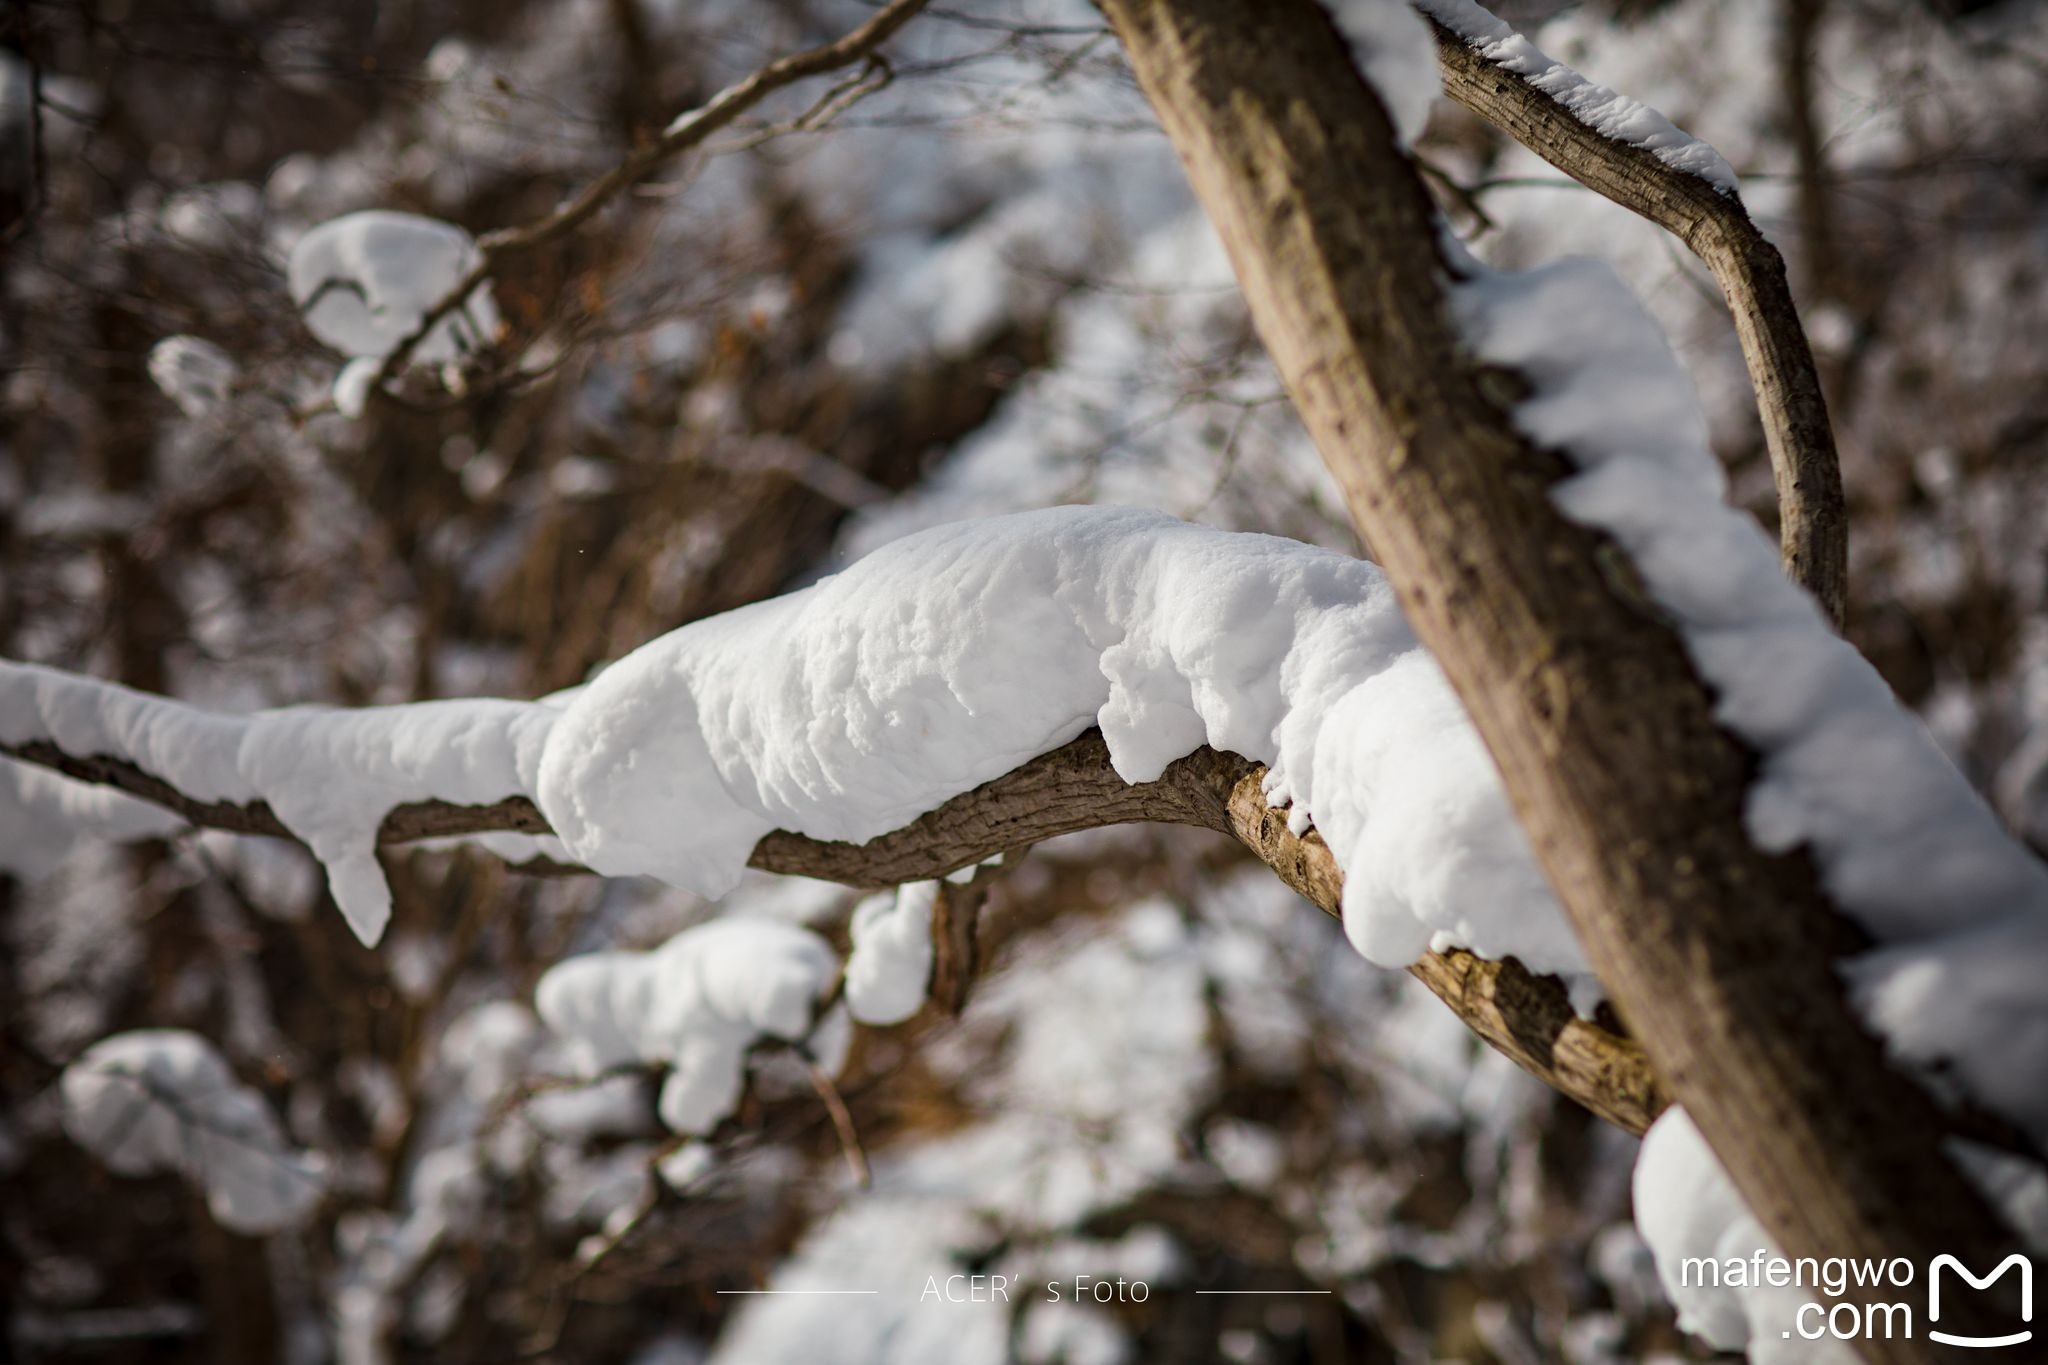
<point>688,130</point>
<point>165,1099</point>
<point>1635,157</point>
<point>1528,461</point>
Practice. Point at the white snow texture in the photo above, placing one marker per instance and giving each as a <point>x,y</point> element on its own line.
<point>938,662</point>
<point>165,1100</point>
<point>891,962</point>
<point>696,1005</point>
<point>1905,846</point>
<point>365,281</point>
<point>1607,113</point>
<point>330,775</point>
<point>44,815</point>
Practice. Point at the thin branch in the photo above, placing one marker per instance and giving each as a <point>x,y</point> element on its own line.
<point>689,130</point>
<point>1813,518</point>
<point>842,1120</point>
<point>874,76</point>
<point>404,824</point>
<point>1073,788</point>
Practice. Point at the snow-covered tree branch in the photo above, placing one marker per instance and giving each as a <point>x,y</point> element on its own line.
<point>1073,788</point>
<point>1635,157</point>
<point>1603,617</point>
<point>1001,509</point>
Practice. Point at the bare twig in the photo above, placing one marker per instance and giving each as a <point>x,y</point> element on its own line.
<point>875,74</point>
<point>1813,518</point>
<point>842,1121</point>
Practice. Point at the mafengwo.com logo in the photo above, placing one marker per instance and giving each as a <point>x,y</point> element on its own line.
<point>2013,1262</point>
<point>1861,1320</point>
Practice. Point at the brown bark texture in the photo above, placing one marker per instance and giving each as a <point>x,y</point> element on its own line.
<point>1718,956</point>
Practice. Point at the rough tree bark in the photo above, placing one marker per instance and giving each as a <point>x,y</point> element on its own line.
<point>1717,955</point>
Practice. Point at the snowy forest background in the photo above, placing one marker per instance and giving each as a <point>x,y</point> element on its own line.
<point>981,286</point>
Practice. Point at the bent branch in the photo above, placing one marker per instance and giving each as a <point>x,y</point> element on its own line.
<point>1072,788</point>
<point>1813,530</point>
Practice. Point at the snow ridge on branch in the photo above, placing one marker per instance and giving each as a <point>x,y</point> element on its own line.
<point>1636,157</point>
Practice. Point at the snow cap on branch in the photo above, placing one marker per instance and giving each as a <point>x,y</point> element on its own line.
<point>1605,112</point>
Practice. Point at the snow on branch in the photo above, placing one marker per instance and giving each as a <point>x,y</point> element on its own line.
<point>1713,776</point>
<point>958,694</point>
<point>688,130</point>
<point>164,1099</point>
<point>1636,157</point>
<point>328,779</point>
<point>697,1004</point>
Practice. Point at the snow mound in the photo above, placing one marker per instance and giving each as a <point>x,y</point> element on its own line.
<point>891,962</point>
<point>951,656</point>
<point>697,1004</point>
<point>365,281</point>
<point>165,1100</point>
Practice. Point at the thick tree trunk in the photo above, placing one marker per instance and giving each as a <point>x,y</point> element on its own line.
<point>1718,956</point>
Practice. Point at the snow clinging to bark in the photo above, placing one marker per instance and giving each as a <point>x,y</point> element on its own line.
<point>330,776</point>
<point>1607,113</point>
<point>1958,910</point>
<point>933,665</point>
<point>952,656</point>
